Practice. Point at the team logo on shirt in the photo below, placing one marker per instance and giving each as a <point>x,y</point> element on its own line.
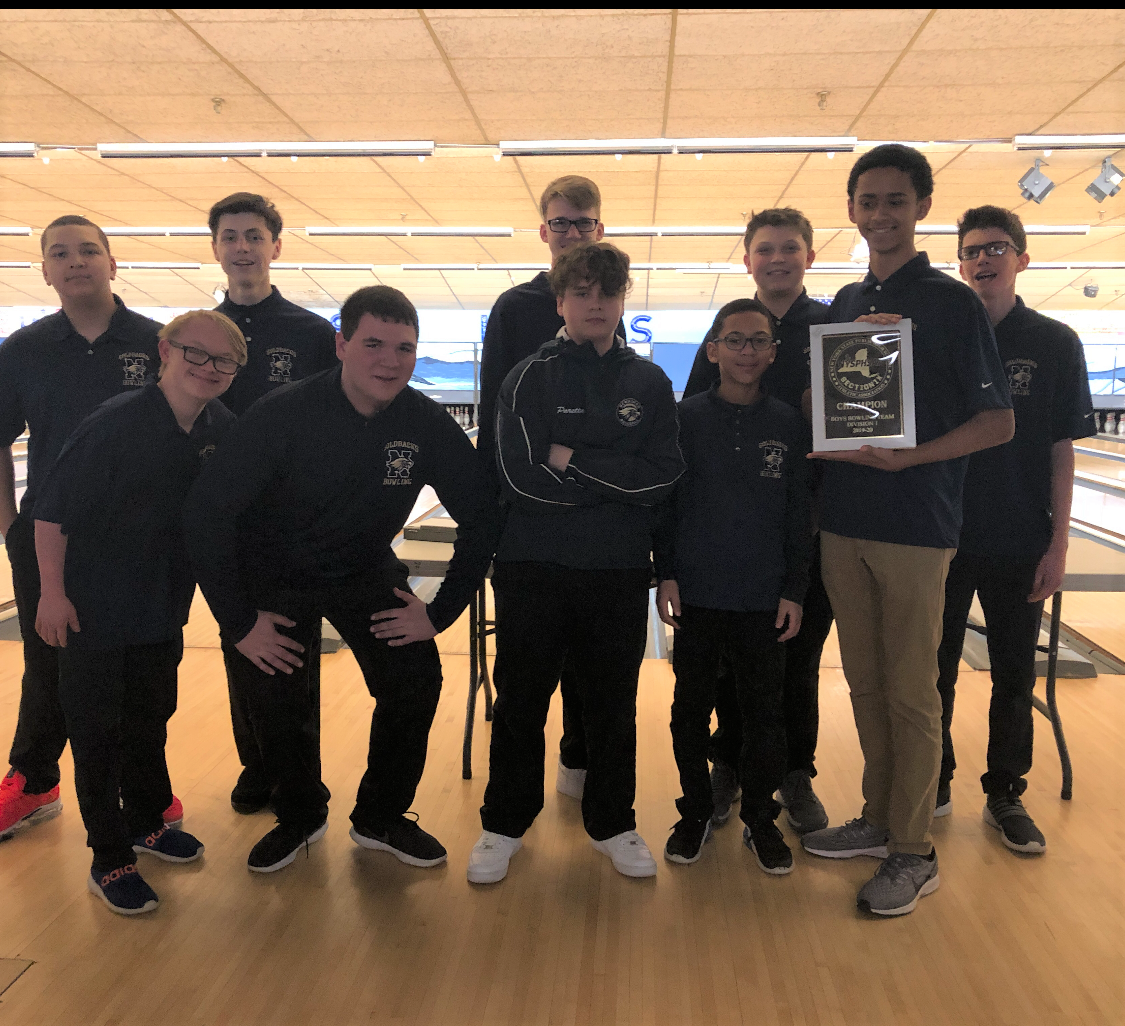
<point>861,367</point>
<point>206,452</point>
<point>135,366</point>
<point>281,365</point>
<point>1019,376</point>
<point>400,461</point>
<point>630,412</point>
<point>773,457</point>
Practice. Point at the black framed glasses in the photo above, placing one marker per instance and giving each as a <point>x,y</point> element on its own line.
<point>992,249</point>
<point>737,342</point>
<point>200,358</point>
<point>561,225</point>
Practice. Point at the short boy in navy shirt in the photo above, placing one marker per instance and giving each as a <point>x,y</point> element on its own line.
<point>117,589</point>
<point>733,565</point>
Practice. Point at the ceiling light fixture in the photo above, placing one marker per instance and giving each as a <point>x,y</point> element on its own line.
<point>400,231</point>
<point>17,149</point>
<point>413,148</point>
<point>1068,142</point>
<point>1108,182</point>
<point>443,267</point>
<point>1035,185</point>
<point>15,231</point>
<point>154,231</point>
<point>1029,229</point>
<point>671,231</point>
<point>20,265</point>
<point>322,267</point>
<point>617,147</point>
<point>156,265</point>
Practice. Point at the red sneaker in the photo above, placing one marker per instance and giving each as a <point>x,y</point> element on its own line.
<point>174,814</point>
<point>17,807</point>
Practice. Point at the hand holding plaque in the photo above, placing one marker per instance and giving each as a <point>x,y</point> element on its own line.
<point>862,386</point>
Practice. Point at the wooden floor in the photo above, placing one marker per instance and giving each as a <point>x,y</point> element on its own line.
<point>352,936</point>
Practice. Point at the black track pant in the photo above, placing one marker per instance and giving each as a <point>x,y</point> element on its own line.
<point>405,683</point>
<point>545,615</point>
<point>117,703</point>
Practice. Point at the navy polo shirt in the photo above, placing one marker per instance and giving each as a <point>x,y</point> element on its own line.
<point>788,375</point>
<point>51,379</point>
<point>284,343</point>
<point>957,374</point>
<point>118,490</point>
<point>1008,487</point>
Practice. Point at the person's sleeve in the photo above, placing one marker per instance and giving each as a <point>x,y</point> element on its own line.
<point>644,478</point>
<point>468,501</point>
<point>13,419</point>
<point>703,374</point>
<point>523,444</point>
<point>984,384</point>
<point>798,522</point>
<point>77,489</point>
<point>664,536</point>
<point>1072,415</point>
<point>238,472</point>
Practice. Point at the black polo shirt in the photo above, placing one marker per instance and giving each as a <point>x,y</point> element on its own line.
<point>788,375</point>
<point>118,490</point>
<point>1008,488</point>
<point>957,374</point>
<point>284,343</point>
<point>51,379</point>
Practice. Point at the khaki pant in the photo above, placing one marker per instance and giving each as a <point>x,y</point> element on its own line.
<point>888,600</point>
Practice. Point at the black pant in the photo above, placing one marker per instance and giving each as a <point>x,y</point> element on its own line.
<point>117,703</point>
<point>254,777</point>
<point>405,683</point>
<point>802,686</point>
<point>41,727</point>
<point>572,744</point>
<point>546,613</point>
<point>1012,624</point>
<point>757,664</point>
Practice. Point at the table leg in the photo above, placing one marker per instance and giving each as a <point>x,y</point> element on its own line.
<point>471,707</point>
<point>1050,708</point>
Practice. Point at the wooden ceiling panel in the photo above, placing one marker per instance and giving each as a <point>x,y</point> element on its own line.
<point>769,101</point>
<point>1021,28</point>
<point>832,71</point>
<point>1003,67</point>
<point>122,41</point>
<point>556,75</point>
<point>389,76</point>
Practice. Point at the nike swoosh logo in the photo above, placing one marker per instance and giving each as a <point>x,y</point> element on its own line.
<point>987,384</point>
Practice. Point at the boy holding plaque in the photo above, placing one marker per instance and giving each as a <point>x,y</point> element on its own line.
<point>890,524</point>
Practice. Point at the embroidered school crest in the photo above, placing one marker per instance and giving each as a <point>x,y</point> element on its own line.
<point>630,412</point>
<point>281,365</point>
<point>400,461</point>
<point>135,366</point>
<point>207,452</point>
<point>1019,376</point>
<point>773,458</point>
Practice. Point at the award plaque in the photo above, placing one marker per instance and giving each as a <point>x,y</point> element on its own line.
<point>862,386</point>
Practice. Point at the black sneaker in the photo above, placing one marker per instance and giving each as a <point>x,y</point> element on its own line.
<point>725,791</point>
<point>280,846</point>
<point>1017,829</point>
<point>123,890</point>
<point>802,806</point>
<point>169,845</point>
<point>944,804</point>
<point>250,794</point>
<point>767,844</point>
<point>687,841</point>
<point>404,839</point>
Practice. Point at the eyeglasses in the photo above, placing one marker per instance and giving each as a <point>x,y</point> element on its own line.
<point>736,343</point>
<point>992,249</point>
<point>561,225</point>
<point>200,358</point>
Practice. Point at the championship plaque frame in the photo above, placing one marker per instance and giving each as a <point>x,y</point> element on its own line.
<point>862,386</point>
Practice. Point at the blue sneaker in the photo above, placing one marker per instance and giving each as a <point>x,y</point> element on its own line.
<point>123,890</point>
<point>170,845</point>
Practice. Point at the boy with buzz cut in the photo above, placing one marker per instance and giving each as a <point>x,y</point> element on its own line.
<point>732,560</point>
<point>522,319</point>
<point>1012,550</point>
<point>293,521</point>
<point>117,588</point>
<point>586,433</point>
<point>285,343</point>
<point>779,250</point>
<point>53,374</point>
<point>890,524</point>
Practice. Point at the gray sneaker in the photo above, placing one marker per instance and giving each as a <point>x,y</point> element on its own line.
<point>1017,829</point>
<point>898,883</point>
<point>725,791</point>
<point>802,806</point>
<point>855,837</point>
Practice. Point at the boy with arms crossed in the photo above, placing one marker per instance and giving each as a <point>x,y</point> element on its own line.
<point>586,449</point>
<point>732,562</point>
<point>522,319</point>
<point>53,374</point>
<point>293,520</point>
<point>285,343</point>
<point>779,249</point>
<point>117,589</point>
<point>1012,551</point>
<point>890,523</point>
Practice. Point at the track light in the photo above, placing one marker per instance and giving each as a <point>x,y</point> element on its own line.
<point>413,148</point>
<point>1035,185</point>
<point>392,231</point>
<point>1068,142</point>
<point>137,233</point>
<point>1108,183</point>
<point>616,147</point>
<point>1090,291</point>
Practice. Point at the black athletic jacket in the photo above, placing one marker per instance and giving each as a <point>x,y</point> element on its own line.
<point>617,412</point>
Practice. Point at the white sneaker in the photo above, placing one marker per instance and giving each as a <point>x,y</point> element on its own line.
<point>629,853</point>
<point>488,861</point>
<point>571,782</point>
